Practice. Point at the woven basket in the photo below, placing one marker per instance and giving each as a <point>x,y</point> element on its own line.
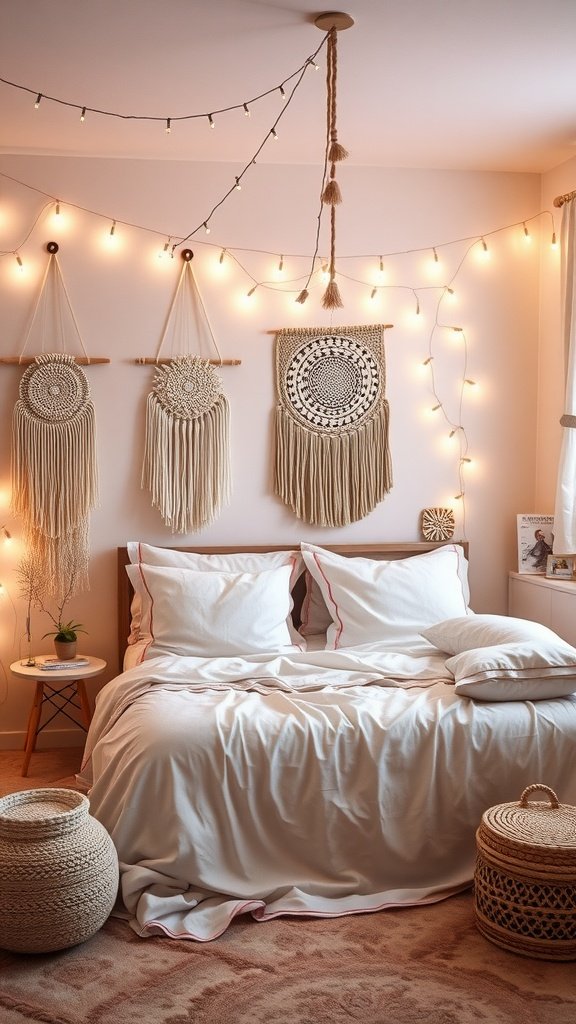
<point>58,871</point>
<point>525,877</point>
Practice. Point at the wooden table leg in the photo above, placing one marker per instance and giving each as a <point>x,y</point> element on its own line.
<point>33,722</point>
<point>84,702</point>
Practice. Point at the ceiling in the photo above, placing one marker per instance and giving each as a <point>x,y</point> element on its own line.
<point>448,84</point>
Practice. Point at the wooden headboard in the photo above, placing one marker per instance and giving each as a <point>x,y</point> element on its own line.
<point>394,550</point>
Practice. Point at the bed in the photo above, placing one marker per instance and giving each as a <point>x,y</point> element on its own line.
<point>314,730</point>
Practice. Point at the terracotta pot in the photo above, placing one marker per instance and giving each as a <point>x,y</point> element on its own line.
<point>65,649</point>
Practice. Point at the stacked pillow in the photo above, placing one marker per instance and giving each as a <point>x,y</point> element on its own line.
<point>211,605</point>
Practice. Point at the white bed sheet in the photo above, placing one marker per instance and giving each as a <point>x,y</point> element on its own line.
<point>320,783</point>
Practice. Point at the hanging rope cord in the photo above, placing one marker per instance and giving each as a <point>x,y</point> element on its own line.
<point>188,280</point>
<point>52,270</point>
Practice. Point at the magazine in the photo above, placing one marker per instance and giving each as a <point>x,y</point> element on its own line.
<point>535,542</point>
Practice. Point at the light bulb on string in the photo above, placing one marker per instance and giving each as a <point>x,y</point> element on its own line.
<point>38,99</point>
<point>436,407</point>
<point>527,235</point>
<point>246,110</point>
<point>373,293</point>
<point>168,125</point>
<point>250,293</point>
<point>211,121</point>
<point>274,134</point>
<point>222,255</point>
<point>164,252</point>
<point>553,243</point>
<point>282,92</point>
<point>19,261</point>
<point>206,227</point>
<point>83,115</point>
<point>238,185</point>
<point>113,229</point>
<point>428,361</point>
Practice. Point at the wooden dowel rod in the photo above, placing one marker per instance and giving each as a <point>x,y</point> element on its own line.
<point>149,361</point>
<point>560,200</point>
<point>28,360</point>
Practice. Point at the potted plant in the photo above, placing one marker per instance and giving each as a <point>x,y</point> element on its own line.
<point>65,637</point>
<point>65,633</point>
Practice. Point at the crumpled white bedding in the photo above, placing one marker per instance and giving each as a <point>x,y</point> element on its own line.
<point>319,783</point>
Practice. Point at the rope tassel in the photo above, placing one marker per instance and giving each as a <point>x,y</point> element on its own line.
<point>331,194</point>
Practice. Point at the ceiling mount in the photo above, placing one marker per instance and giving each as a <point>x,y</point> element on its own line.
<point>333,19</point>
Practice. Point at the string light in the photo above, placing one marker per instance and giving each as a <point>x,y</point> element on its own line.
<point>246,110</point>
<point>553,242</point>
<point>184,117</point>
<point>436,407</point>
<point>274,133</point>
<point>435,255</point>
<point>282,92</point>
<point>428,361</point>
<point>207,229</point>
<point>373,293</point>
<point>222,255</point>
<point>211,121</point>
<point>484,245</point>
<point>238,185</point>
<point>83,115</point>
<point>251,292</point>
<point>57,210</point>
<point>470,382</point>
<point>113,229</point>
<point>19,261</point>
<point>168,125</point>
<point>281,265</point>
<point>527,235</point>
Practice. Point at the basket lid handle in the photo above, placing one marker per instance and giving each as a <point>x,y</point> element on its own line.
<point>545,789</point>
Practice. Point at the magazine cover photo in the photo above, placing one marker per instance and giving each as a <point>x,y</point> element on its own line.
<point>535,542</point>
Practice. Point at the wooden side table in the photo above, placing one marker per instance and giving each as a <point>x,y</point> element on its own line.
<point>59,688</point>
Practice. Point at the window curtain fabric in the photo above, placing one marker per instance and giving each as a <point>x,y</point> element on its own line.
<point>565,509</point>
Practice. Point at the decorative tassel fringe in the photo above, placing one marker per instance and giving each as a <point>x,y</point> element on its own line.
<point>54,485</point>
<point>332,299</point>
<point>303,296</point>
<point>332,195</point>
<point>336,153</point>
<point>186,464</point>
<point>332,479</point>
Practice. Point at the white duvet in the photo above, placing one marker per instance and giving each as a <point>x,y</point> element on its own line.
<point>322,783</point>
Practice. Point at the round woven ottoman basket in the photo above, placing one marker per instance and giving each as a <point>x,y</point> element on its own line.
<point>58,871</point>
<point>525,876</point>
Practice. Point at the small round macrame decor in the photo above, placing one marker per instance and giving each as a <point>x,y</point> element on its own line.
<point>186,463</point>
<point>332,462</point>
<point>438,523</point>
<point>54,469</point>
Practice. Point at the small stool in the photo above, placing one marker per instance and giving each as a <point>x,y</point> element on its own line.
<point>59,688</point>
<point>525,877</point>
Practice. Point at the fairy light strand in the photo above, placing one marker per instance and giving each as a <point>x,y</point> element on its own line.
<point>85,108</point>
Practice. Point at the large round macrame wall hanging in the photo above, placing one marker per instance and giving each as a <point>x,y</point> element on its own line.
<point>186,453</point>
<point>54,469</point>
<point>332,463</point>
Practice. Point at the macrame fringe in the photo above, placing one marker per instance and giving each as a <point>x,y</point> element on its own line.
<point>332,298</point>
<point>346,475</point>
<point>186,464</point>
<point>54,485</point>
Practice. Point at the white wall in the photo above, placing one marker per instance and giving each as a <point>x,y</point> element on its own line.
<point>121,300</point>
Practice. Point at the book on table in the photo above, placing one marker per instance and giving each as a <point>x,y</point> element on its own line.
<point>56,664</point>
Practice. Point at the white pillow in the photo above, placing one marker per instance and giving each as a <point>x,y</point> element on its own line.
<point>524,670</point>
<point>464,634</point>
<point>213,614</point>
<point>251,561</point>
<point>391,601</point>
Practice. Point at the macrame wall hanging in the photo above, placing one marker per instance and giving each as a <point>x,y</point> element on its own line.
<point>186,465</point>
<point>54,464</point>
<point>332,460</point>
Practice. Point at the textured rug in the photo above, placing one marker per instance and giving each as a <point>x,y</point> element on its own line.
<point>420,965</point>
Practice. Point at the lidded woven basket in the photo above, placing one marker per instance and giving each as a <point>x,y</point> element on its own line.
<point>525,876</point>
<point>58,871</point>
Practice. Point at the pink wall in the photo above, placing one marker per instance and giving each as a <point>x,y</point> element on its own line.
<point>121,299</point>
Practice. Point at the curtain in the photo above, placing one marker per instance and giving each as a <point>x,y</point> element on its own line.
<point>565,510</point>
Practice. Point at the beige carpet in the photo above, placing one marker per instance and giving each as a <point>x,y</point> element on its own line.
<point>421,965</point>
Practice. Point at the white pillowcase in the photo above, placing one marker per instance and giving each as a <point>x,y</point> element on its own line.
<point>464,634</point>
<point>213,614</point>
<point>238,562</point>
<point>523,670</point>
<point>373,601</point>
